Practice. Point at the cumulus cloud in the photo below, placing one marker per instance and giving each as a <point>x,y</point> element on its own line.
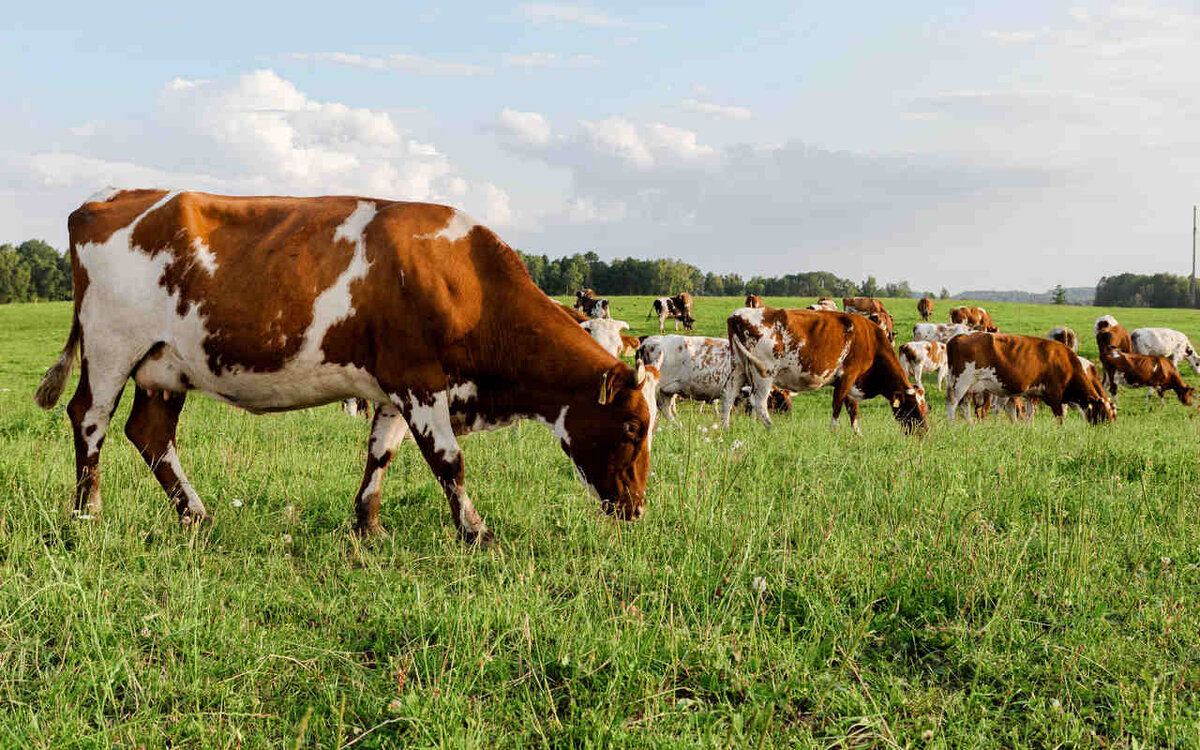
<point>728,111</point>
<point>527,127</point>
<point>403,62</point>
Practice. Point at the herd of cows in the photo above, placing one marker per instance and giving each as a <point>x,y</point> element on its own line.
<point>273,304</point>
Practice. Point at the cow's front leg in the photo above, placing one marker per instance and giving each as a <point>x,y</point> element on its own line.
<point>387,430</point>
<point>852,410</point>
<point>428,415</point>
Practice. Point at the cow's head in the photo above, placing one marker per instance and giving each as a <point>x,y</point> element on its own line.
<point>911,411</point>
<point>1185,395</point>
<point>1192,358</point>
<point>609,435</point>
<point>688,322</point>
<point>1097,409</point>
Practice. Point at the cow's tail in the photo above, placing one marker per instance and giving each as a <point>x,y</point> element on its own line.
<point>763,370</point>
<point>55,380</point>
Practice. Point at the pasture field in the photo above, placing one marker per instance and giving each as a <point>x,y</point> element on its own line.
<point>995,586</point>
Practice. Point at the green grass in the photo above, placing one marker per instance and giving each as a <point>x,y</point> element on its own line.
<point>995,586</point>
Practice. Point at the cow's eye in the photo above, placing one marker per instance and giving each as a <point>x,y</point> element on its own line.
<point>632,428</point>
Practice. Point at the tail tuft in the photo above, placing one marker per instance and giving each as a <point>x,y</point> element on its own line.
<point>55,380</point>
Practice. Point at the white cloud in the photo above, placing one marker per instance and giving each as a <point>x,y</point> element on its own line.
<point>678,142</point>
<point>619,137</point>
<point>498,211</point>
<point>527,127</point>
<point>729,111</point>
<point>397,61</point>
<point>576,14</point>
<point>550,60</point>
<point>84,130</point>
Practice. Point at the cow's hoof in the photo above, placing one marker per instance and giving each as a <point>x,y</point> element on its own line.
<point>480,540</point>
<point>371,530</point>
<point>190,519</point>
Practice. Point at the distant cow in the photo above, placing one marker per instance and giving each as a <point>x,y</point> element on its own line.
<point>696,367</point>
<point>920,357</point>
<point>1165,342</point>
<point>678,307</point>
<point>802,350</point>
<point>1113,333</point>
<point>754,300</point>
<point>975,318</point>
<point>274,304</point>
<point>861,305</point>
<point>1155,373</point>
<point>589,304</point>
<point>607,333</point>
<point>1064,335</point>
<point>884,321</point>
<point>1009,365</point>
<point>925,308</point>
<point>825,303</point>
<point>942,332</point>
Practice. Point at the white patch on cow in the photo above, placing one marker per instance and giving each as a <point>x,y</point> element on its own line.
<point>463,392</point>
<point>204,256</point>
<point>335,303</point>
<point>1110,320</point>
<point>558,426</point>
<point>104,195</point>
<point>194,505</point>
<point>374,484</point>
<point>606,332</point>
<point>458,226</point>
<point>432,421</point>
<point>389,429</point>
<point>584,480</point>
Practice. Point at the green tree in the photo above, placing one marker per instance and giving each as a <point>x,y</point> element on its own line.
<point>14,276</point>
<point>1060,295</point>
<point>944,294</point>
<point>870,287</point>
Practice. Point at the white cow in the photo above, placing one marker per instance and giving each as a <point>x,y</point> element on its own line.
<point>607,333</point>
<point>1165,342</point>
<point>920,357</point>
<point>696,367</point>
<point>942,332</point>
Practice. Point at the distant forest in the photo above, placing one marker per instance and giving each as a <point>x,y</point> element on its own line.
<point>34,271</point>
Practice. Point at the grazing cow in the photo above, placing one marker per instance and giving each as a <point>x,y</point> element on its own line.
<point>925,308</point>
<point>920,357</point>
<point>884,321</point>
<point>1113,333</point>
<point>975,318</point>
<point>942,332</point>
<point>273,304</point>
<point>825,303</point>
<point>590,305</point>
<point>695,367</point>
<point>1064,335</point>
<point>802,350</point>
<point>607,333</point>
<point>754,300</point>
<point>1157,374</point>
<point>1010,365</point>
<point>1165,342</point>
<point>861,305</point>
<point>678,307</point>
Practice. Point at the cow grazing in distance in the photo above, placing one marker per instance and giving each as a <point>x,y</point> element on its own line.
<point>942,332</point>
<point>1013,366</point>
<point>802,350</point>
<point>975,318</point>
<point>825,303</point>
<point>861,305</point>
<point>1066,336</point>
<point>920,357</point>
<point>607,333</point>
<point>272,304</point>
<point>1165,342</point>
<point>925,308</point>
<point>754,300</point>
<point>678,307</point>
<point>1113,333</point>
<point>884,321</point>
<point>590,305</point>
<point>1156,374</point>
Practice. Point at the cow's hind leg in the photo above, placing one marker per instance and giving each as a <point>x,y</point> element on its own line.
<point>387,430</point>
<point>429,417</point>
<point>151,429</point>
<point>90,411</point>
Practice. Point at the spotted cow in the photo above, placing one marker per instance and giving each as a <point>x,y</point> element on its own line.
<point>1165,342</point>
<point>825,303</point>
<point>802,350</point>
<point>942,332</point>
<point>920,357</point>
<point>678,307</point>
<point>272,304</point>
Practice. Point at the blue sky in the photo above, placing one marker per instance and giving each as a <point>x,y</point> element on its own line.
<point>1018,145</point>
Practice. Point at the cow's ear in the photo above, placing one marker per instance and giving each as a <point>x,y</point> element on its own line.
<point>604,388</point>
<point>639,374</point>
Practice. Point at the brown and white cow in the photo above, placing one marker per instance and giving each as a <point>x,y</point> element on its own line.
<point>273,304</point>
<point>802,350</point>
<point>920,357</point>
<point>1012,366</point>
<point>1165,342</point>
<point>862,305</point>
<point>678,307</point>
<point>590,305</point>
<point>1111,333</point>
<point>825,303</point>
<point>975,318</point>
<point>1066,336</point>
<point>1148,371</point>
<point>925,308</point>
<point>884,321</point>
<point>942,332</point>
<point>754,300</point>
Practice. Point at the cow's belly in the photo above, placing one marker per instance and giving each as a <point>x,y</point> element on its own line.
<point>800,379</point>
<point>298,384</point>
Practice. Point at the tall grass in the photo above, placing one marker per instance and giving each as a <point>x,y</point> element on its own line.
<point>994,586</point>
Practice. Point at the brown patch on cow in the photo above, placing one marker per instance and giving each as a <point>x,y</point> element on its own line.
<point>1114,336</point>
<point>1144,371</point>
<point>975,318</point>
<point>96,222</point>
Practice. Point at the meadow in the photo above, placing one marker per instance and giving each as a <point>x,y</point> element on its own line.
<point>991,586</point>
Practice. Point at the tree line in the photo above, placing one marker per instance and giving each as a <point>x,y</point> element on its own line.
<point>33,271</point>
<point>1143,290</point>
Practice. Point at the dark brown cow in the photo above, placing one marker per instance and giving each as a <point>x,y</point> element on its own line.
<point>272,304</point>
<point>802,350</point>
<point>925,308</point>
<point>975,318</point>
<point>1012,366</point>
<point>754,300</point>
<point>862,305</point>
<point>1143,371</point>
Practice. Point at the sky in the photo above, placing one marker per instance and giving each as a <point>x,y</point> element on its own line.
<point>1016,145</point>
